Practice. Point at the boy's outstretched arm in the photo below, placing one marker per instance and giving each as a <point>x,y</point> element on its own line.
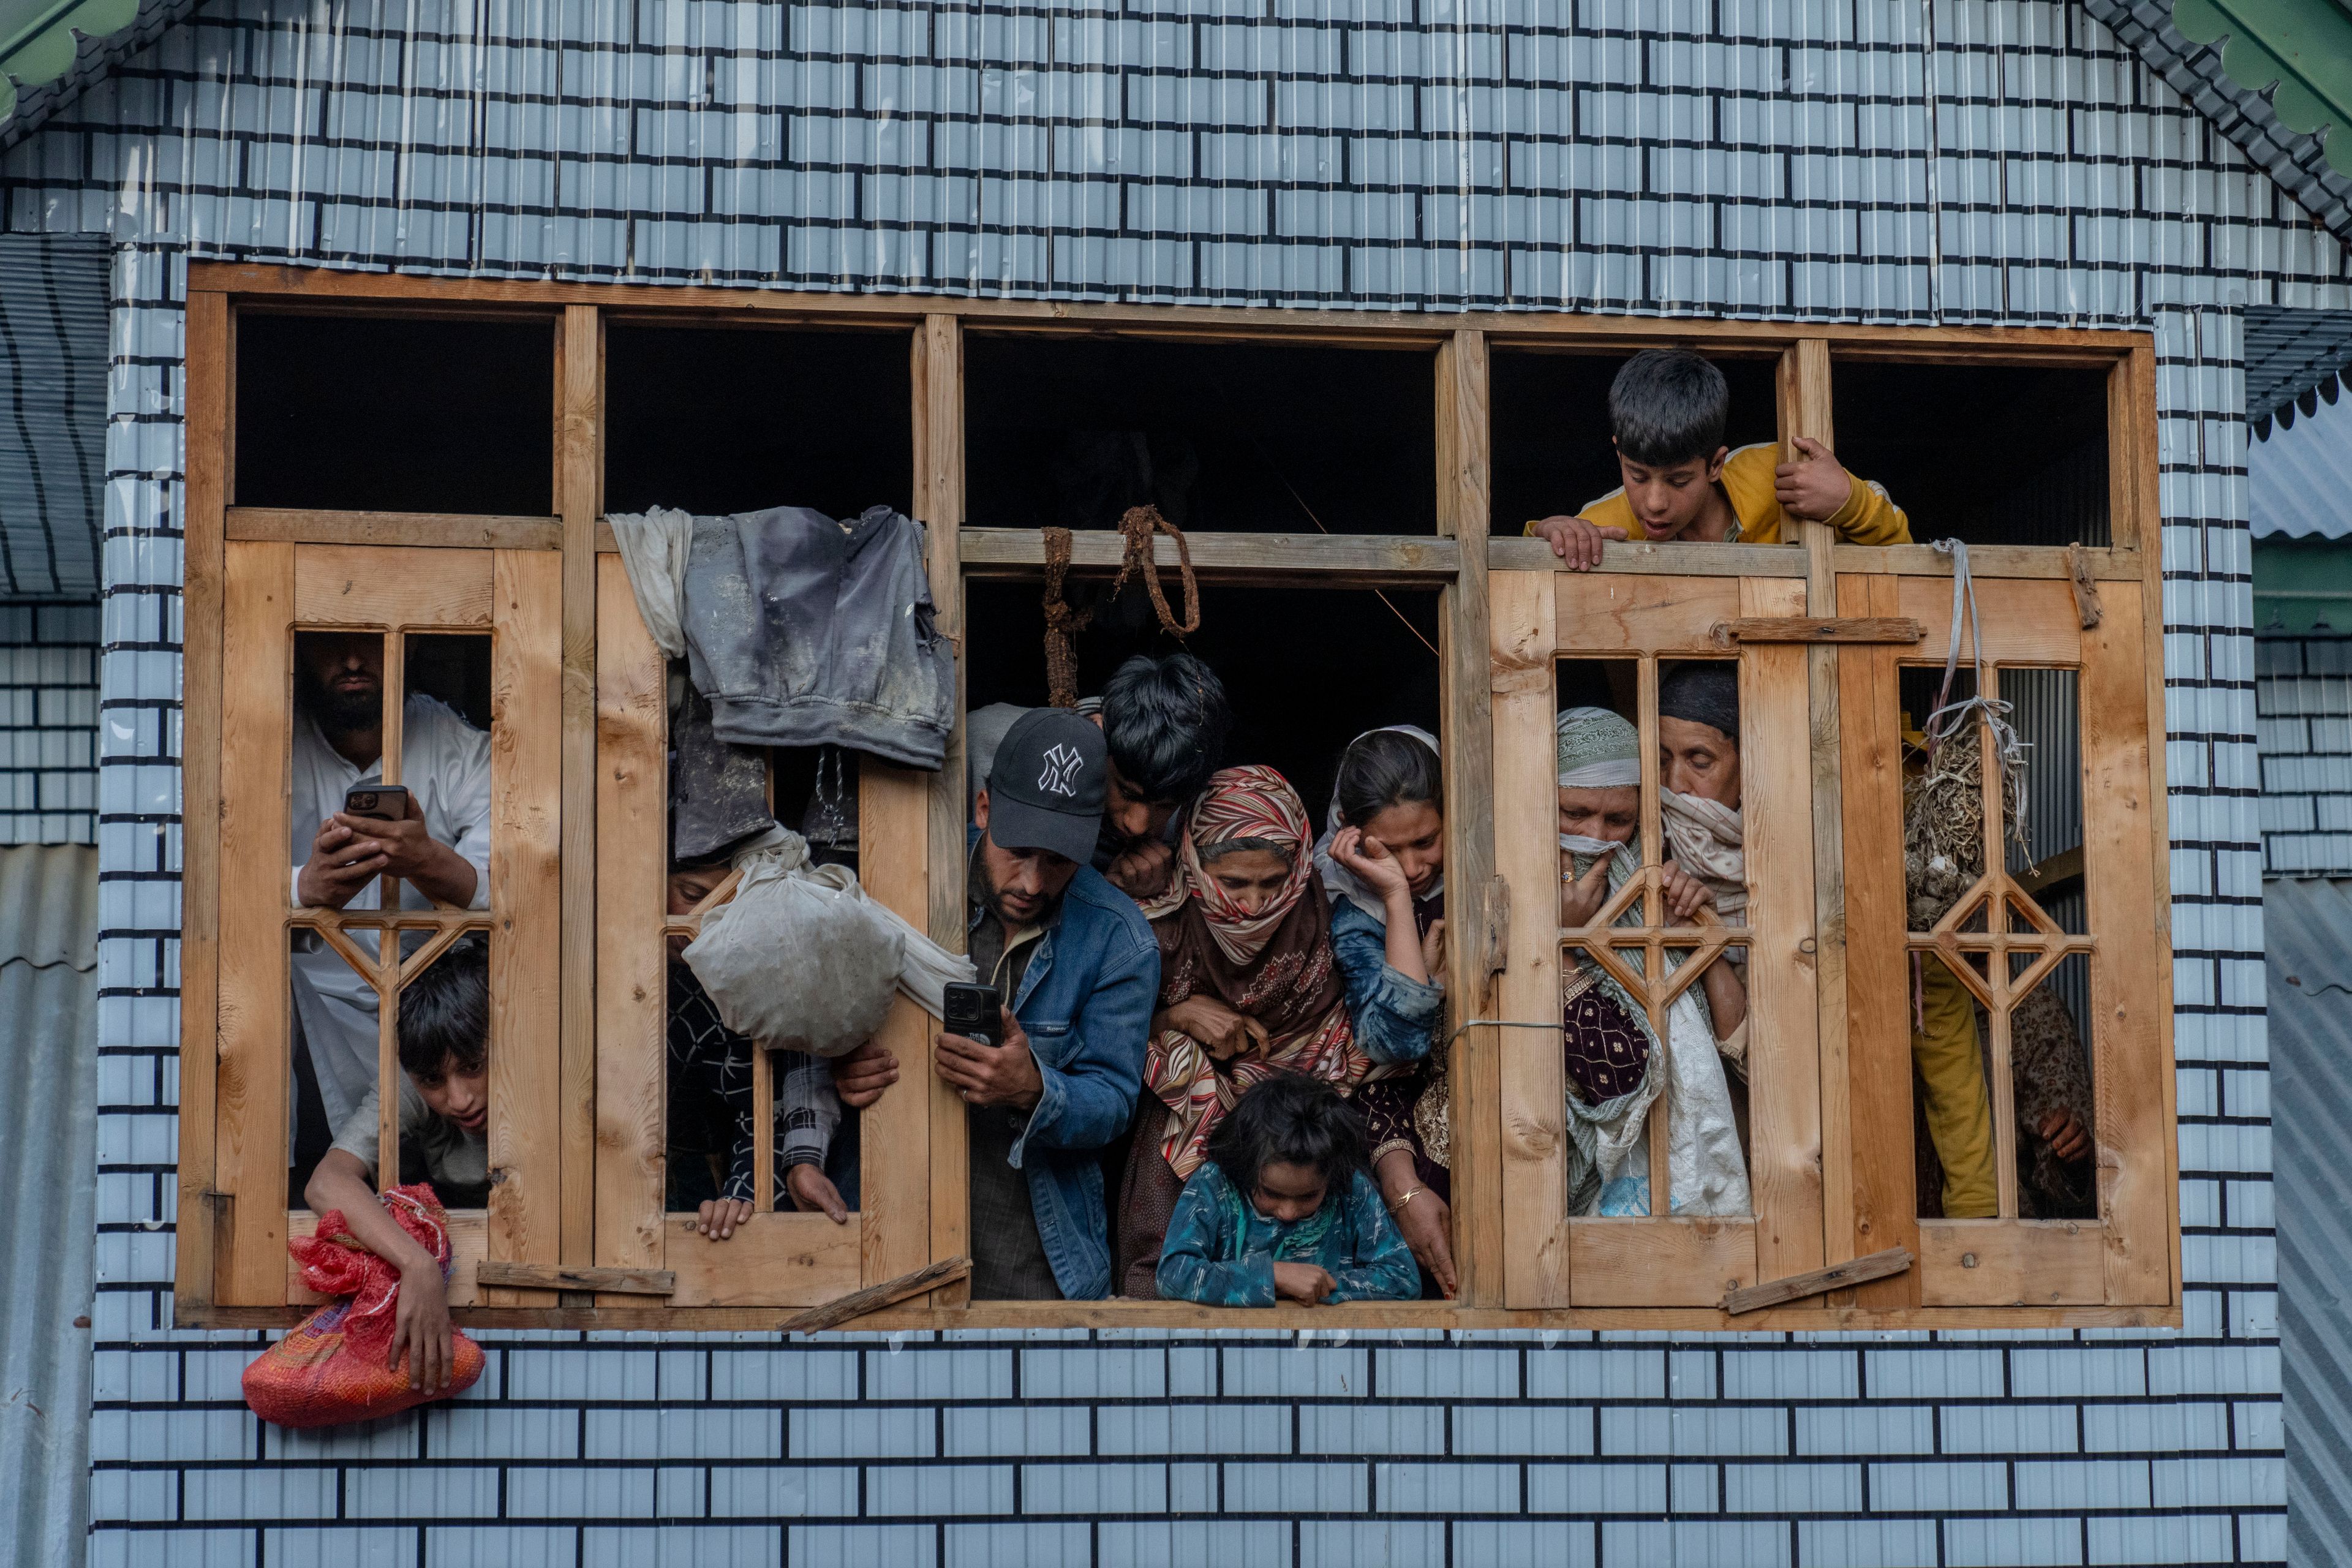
<point>421,1326</point>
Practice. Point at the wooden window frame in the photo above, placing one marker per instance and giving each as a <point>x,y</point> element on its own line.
<point>611,789</point>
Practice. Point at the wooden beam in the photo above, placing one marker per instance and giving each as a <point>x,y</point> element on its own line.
<point>1476,904</point>
<point>253,1063</point>
<point>897,1133</point>
<point>2131,974</point>
<point>531,1093</point>
<point>199,1210</point>
<point>1988,561</point>
<point>1784,1065</point>
<point>562,1276</point>
<point>858,1304</point>
<point>1804,407</point>
<point>1814,1282</point>
<point>1533,1091</point>
<point>1649,559</point>
<point>631,858</point>
<point>1866,1086</point>
<point>580,448</point>
<point>1819,629</point>
<point>1345,561</point>
<point>938,365</point>
<point>2028,345</point>
<point>455,531</point>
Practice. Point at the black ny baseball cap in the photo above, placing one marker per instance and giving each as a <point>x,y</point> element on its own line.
<point>1046,787</point>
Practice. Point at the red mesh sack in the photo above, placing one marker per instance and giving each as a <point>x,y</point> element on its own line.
<point>330,1369</point>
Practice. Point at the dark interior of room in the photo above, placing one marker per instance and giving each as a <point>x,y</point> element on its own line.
<point>1257,438</point>
<point>1307,669</point>
<point>1990,454</point>
<point>383,413</point>
<point>718,420</point>
<point>1550,428</point>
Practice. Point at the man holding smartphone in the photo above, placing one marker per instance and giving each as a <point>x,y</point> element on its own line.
<point>432,831</point>
<point>1076,961</point>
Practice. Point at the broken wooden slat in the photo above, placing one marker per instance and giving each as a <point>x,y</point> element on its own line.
<point>1836,1277</point>
<point>566,1276</point>
<point>874,1297</point>
<point>2087,586</point>
<point>1819,629</point>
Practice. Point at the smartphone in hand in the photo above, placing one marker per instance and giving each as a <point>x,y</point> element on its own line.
<point>974,1012</point>
<point>381,803</point>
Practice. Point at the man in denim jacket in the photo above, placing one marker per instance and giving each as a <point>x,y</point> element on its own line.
<point>1079,963</point>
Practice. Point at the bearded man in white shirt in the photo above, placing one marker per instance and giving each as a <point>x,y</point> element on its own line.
<point>441,854</point>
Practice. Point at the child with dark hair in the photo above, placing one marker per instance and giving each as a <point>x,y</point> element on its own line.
<point>1282,1209</point>
<point>444,1115</point>
<point>1668,409</point>
<point>1165,719</point>
<point>1383,860</point>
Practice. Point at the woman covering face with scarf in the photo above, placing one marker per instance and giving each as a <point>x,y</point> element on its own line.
<point>1616,1064</point>
<point>1698,807</point>
<point>1248,987</point>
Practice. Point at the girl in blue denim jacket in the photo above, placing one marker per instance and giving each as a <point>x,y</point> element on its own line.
<point>1282,1209</point>
<point>1383,860</point>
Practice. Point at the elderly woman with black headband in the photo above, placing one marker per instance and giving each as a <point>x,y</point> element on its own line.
<point>1698,807</point>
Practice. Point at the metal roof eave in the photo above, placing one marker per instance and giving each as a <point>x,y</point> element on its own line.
<point>2302,48</point>
<point>39,42</point>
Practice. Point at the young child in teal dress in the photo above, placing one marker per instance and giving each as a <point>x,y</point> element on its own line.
<point>1282,1207</point>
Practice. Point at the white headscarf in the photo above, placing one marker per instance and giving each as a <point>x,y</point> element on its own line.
<point>1338,880</point>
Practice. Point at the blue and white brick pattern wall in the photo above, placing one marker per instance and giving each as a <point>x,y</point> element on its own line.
<point>2302,696</point>
<point>1744,158</point>
<point>48,723</point>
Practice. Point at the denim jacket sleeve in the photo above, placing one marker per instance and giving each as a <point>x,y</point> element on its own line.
<point>1396,1015</point>
<point>1190,1266</point>
<point>1383,1268</point>
<point>1089,1099</point>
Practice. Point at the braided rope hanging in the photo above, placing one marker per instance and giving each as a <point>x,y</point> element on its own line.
<point>1139,528</point>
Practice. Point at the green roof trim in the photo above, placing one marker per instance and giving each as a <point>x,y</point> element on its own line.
<point>2303,46</point>
<point>36,38</point>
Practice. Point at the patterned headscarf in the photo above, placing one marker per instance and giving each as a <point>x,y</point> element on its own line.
<point>1276,967</point>
<point>1597,750</point>
<point>1251,802</point>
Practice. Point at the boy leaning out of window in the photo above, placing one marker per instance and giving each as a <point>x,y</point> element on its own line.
<point>1282,1209</point>
<point>445,1116</point>
<point>1668,409</point>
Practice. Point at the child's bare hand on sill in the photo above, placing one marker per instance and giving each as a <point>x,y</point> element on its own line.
<point>860,1076</point>
<point>1815,486</point>
<point>1305,1283</point>
<point>1581,899</point>
<point>2064,1133</point>
<point>718,1216</point>
<point>421,1331</point>
<point>1576,540</point>
<point>1685,895</point>
<point>813,1194</point>
<point>1222,1032</point>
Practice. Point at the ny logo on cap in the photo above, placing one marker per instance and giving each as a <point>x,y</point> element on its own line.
<point>1061,763</point>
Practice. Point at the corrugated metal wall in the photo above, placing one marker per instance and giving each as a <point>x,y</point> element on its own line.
<point>2310,926</point>
<point>48,1169</point>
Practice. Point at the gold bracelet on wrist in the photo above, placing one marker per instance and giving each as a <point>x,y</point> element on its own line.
<point>1397,1207</point>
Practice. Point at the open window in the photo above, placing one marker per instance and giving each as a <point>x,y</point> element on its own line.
<point>284,605</point>
<point>1335,480</point>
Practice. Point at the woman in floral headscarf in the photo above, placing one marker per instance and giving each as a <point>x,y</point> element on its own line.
<point>1248,988</point>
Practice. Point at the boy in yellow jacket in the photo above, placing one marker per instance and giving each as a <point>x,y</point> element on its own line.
<point>1667,412</point>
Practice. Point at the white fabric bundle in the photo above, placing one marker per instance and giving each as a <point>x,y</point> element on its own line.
<point>801,960</point>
